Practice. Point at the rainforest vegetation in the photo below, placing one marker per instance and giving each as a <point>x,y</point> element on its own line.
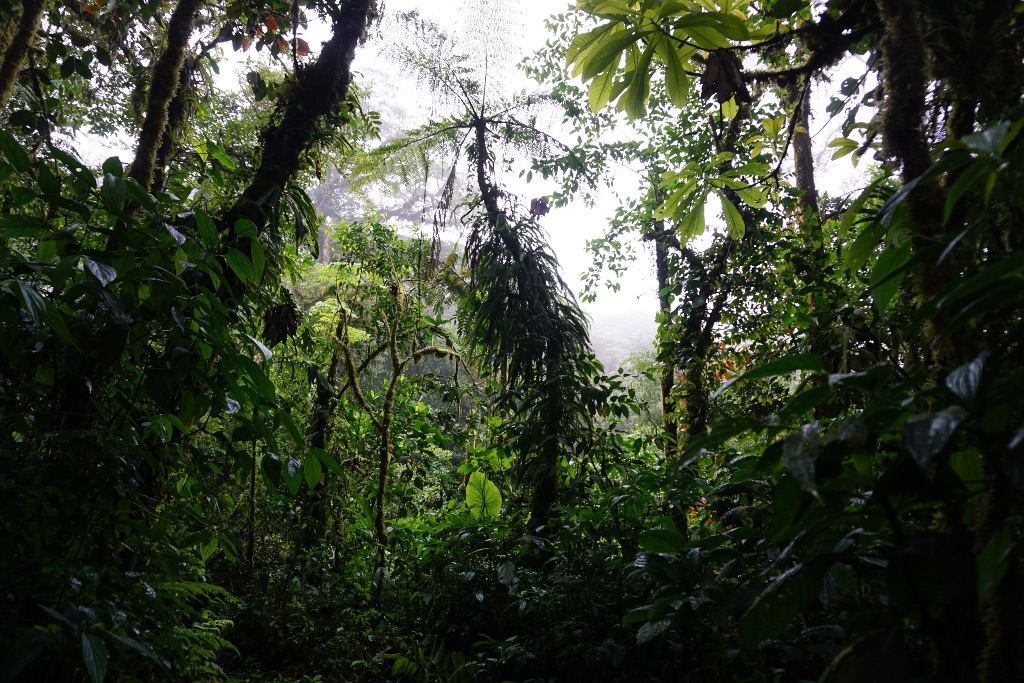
<point>242,441</point>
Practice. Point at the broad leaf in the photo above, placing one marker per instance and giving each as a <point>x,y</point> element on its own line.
<point>95,657</point>
<point>677,82</point>
<point>241,265</point>
<point>101,271</point>
<point>733,219</point>
<point>782,601</point>
<point>888,273</point>
<point>312,471</point>
<point>662,541</point>
<point>924,436</point>
<point>482,497</point>
<point>965,380</point>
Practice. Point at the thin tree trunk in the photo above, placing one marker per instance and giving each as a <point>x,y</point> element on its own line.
<point>669,420</point>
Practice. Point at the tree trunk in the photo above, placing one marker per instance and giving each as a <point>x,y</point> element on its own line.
<point>17,49</point>
<point>163,86</point>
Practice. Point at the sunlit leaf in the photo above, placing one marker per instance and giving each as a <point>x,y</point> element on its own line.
<point>482,497</point>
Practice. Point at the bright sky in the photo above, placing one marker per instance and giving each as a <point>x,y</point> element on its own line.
<point>569,228</point>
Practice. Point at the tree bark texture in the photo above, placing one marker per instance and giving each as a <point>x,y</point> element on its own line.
<point>317,94</point>
<point>162,88</point>
<point>17,49</point>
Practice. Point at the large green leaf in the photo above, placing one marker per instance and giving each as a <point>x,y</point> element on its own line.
<point>726,25</point>
<point>241,264</point>
<point>113,193</point>
<point>13,152</point>
<point>482,497</point>
<point>888,273</point>
<point>95,657</point>
<point>733,219</point>
<point>780,366</point>
<point>677,82</point>
<point>692,225</point>
<point>782,601</point>
<point>600,91</point>
<point>640,87</point>
<point>662,541</point>
<point>924,436</point>
<point>602,53</point>
<point>312,471</point>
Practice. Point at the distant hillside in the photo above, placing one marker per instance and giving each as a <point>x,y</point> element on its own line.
<point>615,335</point>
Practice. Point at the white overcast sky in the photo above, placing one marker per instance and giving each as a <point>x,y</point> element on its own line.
<point>568,228</point>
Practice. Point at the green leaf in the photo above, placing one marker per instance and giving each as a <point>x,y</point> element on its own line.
<point>139,194</point>
<point>993,561</point>
<point>843,146</point>
<point>31,301</point>
<point>114,167</point>
<point>56,321</point>
<point>640,87</point>
<point>270,468</point>
<point>246,228</point>
<point>888,273</point>
<point>754,197</point>
<point>651,630</point>
<point>20,654</point>
<point>704,37</point>
<point>257,378</point>
<point>692,225</point>
<point>313,472</point>
<point>258,258</point>
<point>207,230</point>
<point>677,82</point>
<point>206,550</point>
<point>113,193</point>
<point>733,219</point>
<point>726,25</point>
<point>924,436</point>
<point>988,141</point>
<point>327,459</point>
<point>780,366</point>
<point>600,56</point>
<point>293,475</point>
<point>95,657</point>
<point>218,153</point>
<point>965,380</point>
<point>241,265</point>
<point>662,541</point>
<point>482,496</point>
<point>599,93</point>
<point>783,600</point>
<point>49,186</point>
<point>13,152</point>
<point>964,182</point>
<point>584,40</point>
<point>101,271</point>
<point>798,454</point>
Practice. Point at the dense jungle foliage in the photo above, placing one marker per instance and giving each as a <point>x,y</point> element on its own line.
<point>239,442</point>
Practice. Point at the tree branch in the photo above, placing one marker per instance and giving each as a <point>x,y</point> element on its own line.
<point>17,50</point>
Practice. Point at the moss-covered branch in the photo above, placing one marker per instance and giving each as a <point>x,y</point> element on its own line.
<point>163,86</point>
<point>317,94</point>
<point>17,49</point>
